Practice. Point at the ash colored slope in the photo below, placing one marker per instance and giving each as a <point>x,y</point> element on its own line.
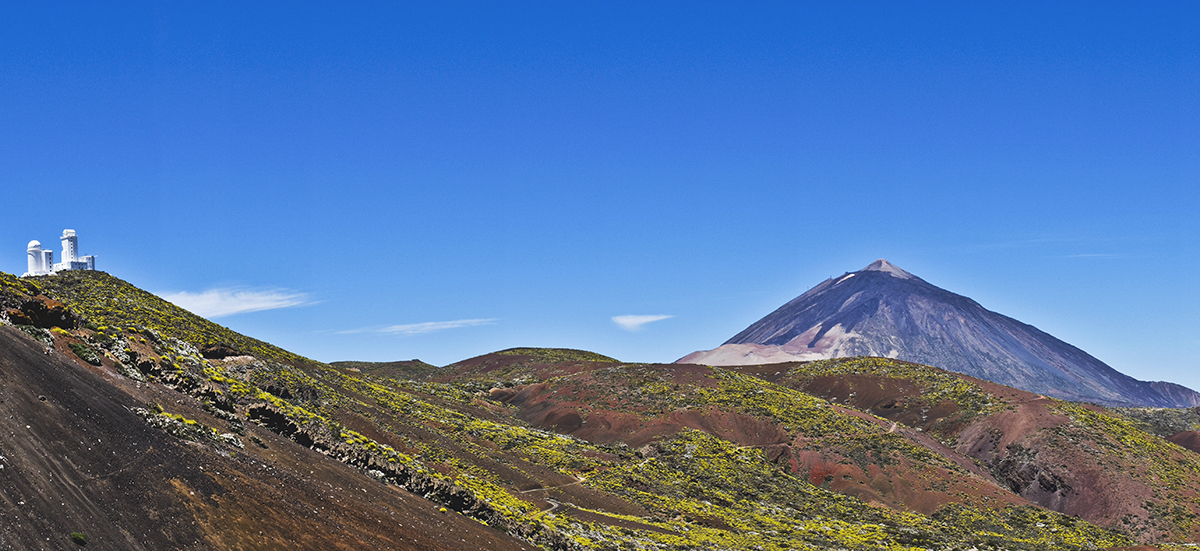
<point>74,457</point>
<point>885,311</point>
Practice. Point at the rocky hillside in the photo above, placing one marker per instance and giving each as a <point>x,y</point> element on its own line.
<point>885,311</point>
<point>132,425</point>
<point>121,437</point>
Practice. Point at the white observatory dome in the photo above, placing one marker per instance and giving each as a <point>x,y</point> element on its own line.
<point>34,245</point>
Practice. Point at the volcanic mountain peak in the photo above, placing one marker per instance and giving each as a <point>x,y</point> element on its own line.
<point>865,313</point>
<point>882,265</point>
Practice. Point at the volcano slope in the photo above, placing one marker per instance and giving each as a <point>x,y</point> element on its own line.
<point>130,460</point>
<point>159,429</point>
<point>1119,467</point>
<point>883,310</point>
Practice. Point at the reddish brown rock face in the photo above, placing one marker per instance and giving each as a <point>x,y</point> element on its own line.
<point>43,312</point>
<point>1189,439</point>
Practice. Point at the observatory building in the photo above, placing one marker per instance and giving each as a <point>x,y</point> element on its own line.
<point>41,262</point>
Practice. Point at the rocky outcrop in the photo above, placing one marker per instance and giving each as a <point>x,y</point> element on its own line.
<point>384,468</point>
<point>218,351</point>
<point>42,312</point>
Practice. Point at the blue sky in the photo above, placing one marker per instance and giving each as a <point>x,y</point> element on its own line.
<point>383,181</point>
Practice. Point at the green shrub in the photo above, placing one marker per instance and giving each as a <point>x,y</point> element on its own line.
<point>85,353</point>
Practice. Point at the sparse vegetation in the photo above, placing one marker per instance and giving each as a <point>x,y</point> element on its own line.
<point>85,353</point>
<point>1172,470</point>
<point>409,370</point>
<point>557,355</point>
<point>187,429</point>
<point>1163,421</point>
<point>935,386</point>
<point>684,486</point>
<point>107,301</point>
<point>43,336</point>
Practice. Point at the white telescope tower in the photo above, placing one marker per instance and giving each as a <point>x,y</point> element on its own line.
<point>70,245</point>
<point>41,261</point>
<point>70,255</point>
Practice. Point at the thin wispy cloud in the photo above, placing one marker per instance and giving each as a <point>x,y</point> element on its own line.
<point>420,328</point>
<point>431,326</point>
<point>634,323</point>
<point>216,303</point>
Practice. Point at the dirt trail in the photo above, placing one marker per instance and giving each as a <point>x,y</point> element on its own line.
<point>578,481</point>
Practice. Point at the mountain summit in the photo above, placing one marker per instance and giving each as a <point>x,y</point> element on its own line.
<point>885,311</point>
<point>882,265</point>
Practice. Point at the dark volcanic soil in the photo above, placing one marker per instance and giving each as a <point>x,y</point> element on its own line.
<point>74,458</point>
